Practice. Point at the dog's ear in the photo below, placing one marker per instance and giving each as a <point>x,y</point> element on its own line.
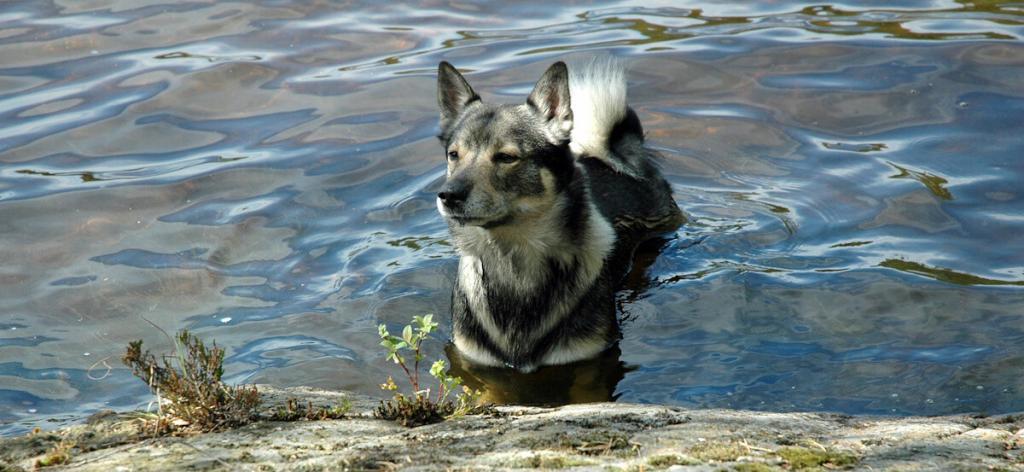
<point>550,99</point>
<point>453,94</point>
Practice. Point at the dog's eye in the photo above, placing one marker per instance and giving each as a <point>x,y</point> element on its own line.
<point>503,158</point>
<point>453,155</point>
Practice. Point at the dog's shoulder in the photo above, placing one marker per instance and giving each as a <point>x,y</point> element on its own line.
<point>637,207</point>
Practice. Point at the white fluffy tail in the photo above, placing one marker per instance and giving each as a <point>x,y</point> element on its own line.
<point>597,94</point>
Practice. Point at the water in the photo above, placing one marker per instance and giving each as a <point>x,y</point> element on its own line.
<point>262,173</point>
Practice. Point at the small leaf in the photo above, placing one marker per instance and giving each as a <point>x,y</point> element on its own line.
<point>407,334</point>
<point>393,356</point>
<point>437,369</point>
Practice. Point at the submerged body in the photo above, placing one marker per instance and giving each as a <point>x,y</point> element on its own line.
<point>546,202</point>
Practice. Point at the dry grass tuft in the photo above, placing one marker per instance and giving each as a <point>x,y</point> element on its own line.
<point>188,385</point>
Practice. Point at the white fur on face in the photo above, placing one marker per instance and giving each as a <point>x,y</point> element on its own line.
<point>440,208</point>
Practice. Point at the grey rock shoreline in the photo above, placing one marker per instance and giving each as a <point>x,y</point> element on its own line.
<point>598,436</point>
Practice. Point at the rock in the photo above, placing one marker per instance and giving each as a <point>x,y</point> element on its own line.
<point>589,436</point>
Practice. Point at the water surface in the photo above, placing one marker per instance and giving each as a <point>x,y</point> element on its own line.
<point>263,173</point>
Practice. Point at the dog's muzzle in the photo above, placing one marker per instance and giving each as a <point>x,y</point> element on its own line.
<point>451,202</point>
<point>454,194</point>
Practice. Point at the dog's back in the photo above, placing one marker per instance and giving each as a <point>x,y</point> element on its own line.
<point>608,141</point>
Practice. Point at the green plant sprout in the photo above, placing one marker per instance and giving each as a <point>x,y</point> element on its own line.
<point>294,410</point>
<point>420,408</point>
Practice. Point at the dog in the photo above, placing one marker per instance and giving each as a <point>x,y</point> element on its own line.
<point>546,202</point>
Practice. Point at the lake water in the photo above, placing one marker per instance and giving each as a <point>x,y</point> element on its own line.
<point>263,174</point>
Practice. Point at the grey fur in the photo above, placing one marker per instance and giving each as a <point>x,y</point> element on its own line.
<point>543,234</point>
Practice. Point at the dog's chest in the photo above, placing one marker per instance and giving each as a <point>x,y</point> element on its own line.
<point>514,300</point>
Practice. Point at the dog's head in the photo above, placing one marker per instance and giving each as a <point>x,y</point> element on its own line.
<point>505,162</point>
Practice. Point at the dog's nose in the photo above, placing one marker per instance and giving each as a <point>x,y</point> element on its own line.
<point>450,198</point>
<point>454,193</point>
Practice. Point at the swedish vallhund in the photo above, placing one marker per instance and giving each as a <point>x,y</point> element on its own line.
<point>546,202</point>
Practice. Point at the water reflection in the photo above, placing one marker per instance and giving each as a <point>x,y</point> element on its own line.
<point>588,381</point>
<point>944,275</point>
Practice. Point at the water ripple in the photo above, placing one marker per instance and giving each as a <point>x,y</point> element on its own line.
<point>264,174</point>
